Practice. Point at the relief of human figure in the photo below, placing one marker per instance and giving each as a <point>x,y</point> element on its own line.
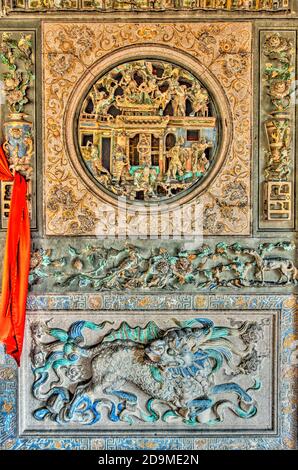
<point>162,99</point>
<point>200,162</point>
<point>199,100</point>
<point>176,165</point>
<point>186,157</point>
<point>147,89</point>
<point>144,149</point>
<point>179,100</point>
<point>145,180</point>
<point>96,160</point>
<point>121,164</point>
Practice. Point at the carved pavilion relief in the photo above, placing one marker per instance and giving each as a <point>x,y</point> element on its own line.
<point>146,130</point>
<point>180,127</point>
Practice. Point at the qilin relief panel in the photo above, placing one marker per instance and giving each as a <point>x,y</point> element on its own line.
<point>215,58</point>
<point>180,370</point>
<point>56,353</point>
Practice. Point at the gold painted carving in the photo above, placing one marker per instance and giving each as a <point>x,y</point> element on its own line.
<point>144,128</point>
<point>147,5</point>
<point>75,54</point>
<point>279,79</point>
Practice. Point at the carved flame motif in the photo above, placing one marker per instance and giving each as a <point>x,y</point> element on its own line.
<point>147,130</point>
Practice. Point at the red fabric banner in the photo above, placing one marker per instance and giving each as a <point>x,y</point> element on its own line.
<point>16,264</point>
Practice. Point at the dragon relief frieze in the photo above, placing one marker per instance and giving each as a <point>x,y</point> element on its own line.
<point>73,54</point>
<point>191,371</point>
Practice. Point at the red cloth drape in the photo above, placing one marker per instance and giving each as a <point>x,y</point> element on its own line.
<point>16,264</point>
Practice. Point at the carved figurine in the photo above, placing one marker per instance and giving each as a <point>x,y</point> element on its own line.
<point>145,180</point>
<point>121,164</point>
<point>141,101</point>
<point>179,100</point>
<point>200,162</point>
<point>199,100</point>
<point>175,163</point>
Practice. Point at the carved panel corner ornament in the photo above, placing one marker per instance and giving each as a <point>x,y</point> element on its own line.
<point>168,136</point>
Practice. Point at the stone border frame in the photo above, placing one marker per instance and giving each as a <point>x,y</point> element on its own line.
<point>286,438</point>
<point>122,430</point>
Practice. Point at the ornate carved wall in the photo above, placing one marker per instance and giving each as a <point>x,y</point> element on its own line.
<point>148,329</point>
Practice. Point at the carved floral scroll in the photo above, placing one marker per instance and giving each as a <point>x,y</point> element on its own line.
<point>73,54</point>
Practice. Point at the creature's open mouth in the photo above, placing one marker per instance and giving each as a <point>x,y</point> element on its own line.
<point>153,356</point>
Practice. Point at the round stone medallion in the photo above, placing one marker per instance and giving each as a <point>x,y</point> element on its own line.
<point>148,130</point>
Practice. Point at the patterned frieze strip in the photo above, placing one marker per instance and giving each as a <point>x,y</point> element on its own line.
<point>143,302</point>
<point>144,5</point>
<point>119,267</point>
<point>17,78</point>
<point>278,127</point>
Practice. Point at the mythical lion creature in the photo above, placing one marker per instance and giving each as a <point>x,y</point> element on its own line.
<point>176,369</point>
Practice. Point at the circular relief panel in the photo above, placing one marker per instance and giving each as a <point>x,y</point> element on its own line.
<point>148,130</point>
